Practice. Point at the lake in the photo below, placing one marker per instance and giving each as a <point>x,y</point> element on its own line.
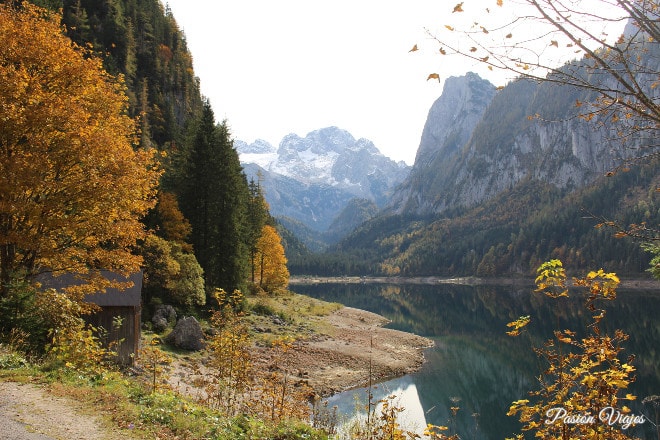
<point>474,365</point>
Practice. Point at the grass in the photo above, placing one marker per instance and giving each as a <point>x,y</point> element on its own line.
<point>128,402</point>
<point>287,315</point>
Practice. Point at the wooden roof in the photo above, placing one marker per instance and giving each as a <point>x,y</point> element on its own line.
<point>112,297</point>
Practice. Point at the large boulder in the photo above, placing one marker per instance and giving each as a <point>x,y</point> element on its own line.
<point>163,316</point>
<point>187,335</point>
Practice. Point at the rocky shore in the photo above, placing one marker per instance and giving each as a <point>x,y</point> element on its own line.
<point>355,347</point>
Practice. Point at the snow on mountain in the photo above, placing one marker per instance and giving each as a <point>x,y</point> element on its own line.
<point>324,156</point>
<point>312,178</point>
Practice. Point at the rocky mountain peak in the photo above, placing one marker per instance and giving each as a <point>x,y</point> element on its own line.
<point>453,116</point>
<point>449,125</point>
<point>320,169</point>
<point>259,146</point>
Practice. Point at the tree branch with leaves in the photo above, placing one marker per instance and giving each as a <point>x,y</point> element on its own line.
<point>576,43</point>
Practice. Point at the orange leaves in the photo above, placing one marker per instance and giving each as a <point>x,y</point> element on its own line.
<point>433,76</point>
<point>458,8</point>
<point>583,378</point>
<point>64,121</point>
<point>518,325</point>
<point>271,260</point>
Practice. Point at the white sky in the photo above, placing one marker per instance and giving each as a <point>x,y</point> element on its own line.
<point>293,66</point>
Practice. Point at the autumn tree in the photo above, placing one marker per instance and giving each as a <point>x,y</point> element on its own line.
<point>584,375</point>
<point>171,273</point>
<point>213,198</point>
<point>271,260</point>
<point>73,187</point>
<point>168,222</point>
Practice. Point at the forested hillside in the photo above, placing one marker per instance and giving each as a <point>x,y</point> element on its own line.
<point>510,235</point>
<point>532,182</point>
<point>203,197</point>
<point>141,41</point>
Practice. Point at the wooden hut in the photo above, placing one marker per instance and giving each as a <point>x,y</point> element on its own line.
<point>120,315</point>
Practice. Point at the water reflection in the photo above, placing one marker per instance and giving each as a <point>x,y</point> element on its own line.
<point>353,404</point>
<point>474,363</point>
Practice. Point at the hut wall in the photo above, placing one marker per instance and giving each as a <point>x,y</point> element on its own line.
<point>125,339</point>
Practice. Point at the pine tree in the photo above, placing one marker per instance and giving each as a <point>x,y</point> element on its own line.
<point>257,215</point>
<point>214,200</point>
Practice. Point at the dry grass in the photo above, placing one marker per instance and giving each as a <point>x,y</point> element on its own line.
<point>288,315</point>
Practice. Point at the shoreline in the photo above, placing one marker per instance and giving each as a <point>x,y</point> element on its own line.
<point>352,347</point>
<point>355,347</point>
<point>632,283</point>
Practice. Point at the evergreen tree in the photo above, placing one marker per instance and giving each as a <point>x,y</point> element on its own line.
<point>214,200</point>
<point>257,216</point>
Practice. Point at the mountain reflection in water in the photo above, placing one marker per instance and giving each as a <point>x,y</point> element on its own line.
<point>474,364</point>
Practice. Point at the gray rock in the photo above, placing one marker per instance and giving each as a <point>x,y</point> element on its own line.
<point>163,316</point>
<point>187,335</point>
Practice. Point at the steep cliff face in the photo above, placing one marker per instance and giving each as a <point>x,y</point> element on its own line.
<point>527,131</point>
<point>453,117</point>
<point>448,127</point>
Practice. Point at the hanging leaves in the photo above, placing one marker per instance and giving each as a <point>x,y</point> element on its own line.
<point>586,377</point>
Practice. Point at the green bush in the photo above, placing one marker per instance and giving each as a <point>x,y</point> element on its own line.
<point>12,361</point>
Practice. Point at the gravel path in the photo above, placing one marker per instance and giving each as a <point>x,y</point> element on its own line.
<point>28,412</point>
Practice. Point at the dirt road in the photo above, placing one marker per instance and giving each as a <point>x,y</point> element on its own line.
<point>28,412</point>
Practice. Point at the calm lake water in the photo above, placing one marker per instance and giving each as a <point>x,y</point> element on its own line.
<point>474,364</point>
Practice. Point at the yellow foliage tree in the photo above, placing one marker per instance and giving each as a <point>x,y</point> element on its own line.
<point>230,364</point>
<point>271,260</point>
<point>175,227</point>
<point>72,186</point>
<point>581,393</point>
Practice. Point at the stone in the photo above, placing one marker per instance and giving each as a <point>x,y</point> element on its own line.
<point>163,316</point>
<point>187,335</point>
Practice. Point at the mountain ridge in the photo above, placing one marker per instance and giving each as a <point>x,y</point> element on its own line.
<point>312,179</point>
<point>528,184</point>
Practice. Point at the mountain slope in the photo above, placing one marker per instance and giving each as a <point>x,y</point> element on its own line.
<point>449,125</point>
<point>526,186</point>
<point>312,179</point>
<point>142,41</point>
<point>509,145</point>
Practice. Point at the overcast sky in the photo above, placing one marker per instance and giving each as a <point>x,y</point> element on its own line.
<point>293,66</point>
